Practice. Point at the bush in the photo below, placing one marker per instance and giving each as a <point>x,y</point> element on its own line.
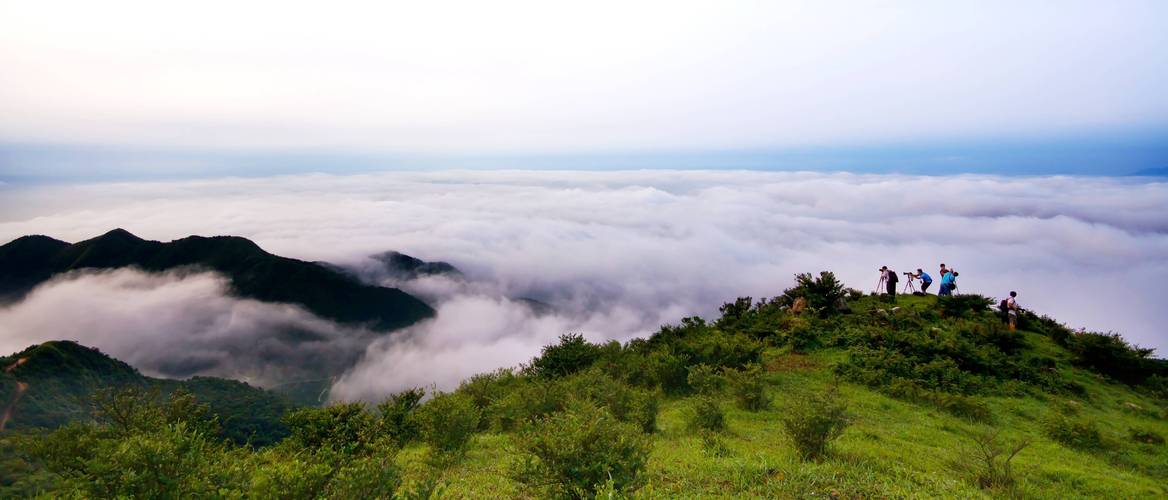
<point>824,294</point>
<point>1111,355</point>
<point>625,403</point>
<point>486,388</point>
<point>988,459</point>
<point>713,445</point>
<point>748,387</point>
<point>1145,436</point>
<point>1075,432</point>
<point>576,452</point>
<point>966,407</point>
<point>529,401</point>
<point>964,305</point>
<point>704,379</point>
<point>571,355</point>
<point>667,370</point>
<point>706,414</point>
<point>448,421</point>
<point>373,476</point>
<point>814,421</point>
<point>344,428</point>
<point>397,415</point>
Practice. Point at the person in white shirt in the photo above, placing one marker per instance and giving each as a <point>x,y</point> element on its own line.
<point>1012,310</point>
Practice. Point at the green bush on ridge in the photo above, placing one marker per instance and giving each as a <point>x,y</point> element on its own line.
<point>813,421</point>
<point>574,453</point>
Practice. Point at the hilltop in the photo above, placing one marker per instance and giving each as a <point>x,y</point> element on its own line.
<point>253,273</point>
<point>53,383</point>
<point>818,392</point>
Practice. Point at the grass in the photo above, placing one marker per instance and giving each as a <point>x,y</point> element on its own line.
<point>893,448</point>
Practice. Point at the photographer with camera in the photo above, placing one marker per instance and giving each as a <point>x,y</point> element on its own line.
<point>889,279</point>
<point>926,280</point>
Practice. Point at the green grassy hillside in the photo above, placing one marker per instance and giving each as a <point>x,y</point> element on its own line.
<point>820,392</point>
<point>54,383</point>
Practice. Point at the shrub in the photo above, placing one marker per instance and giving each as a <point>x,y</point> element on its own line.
<point>571,355</point>
<point>966,407</point>
<point>528,401</point>
<point>575,452</point>
<point>1145,436</point>
<point>397,415</point>
<point>704,379</point>
<point>626,403</point>
<point>1111,355</point>
<point>373,476</point>
<point>988,459</point>
<point>824,294</point>
<point>668,371</point>
<point>448,421</point>
<point>706,414</point>
<point>814,421</point>
<point>713,445</point>
<point>748,387</point>
<point>344,428</point>
<point>486,388</point>
<point>1075,432</point>
<point>964,305</point>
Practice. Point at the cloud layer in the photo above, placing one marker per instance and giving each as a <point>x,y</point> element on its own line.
<point>179,324</point>
<point>619,253</point>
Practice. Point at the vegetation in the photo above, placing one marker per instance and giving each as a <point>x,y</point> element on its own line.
<point>933,399</point>
<point>814,421</point>
<point>60,378</point>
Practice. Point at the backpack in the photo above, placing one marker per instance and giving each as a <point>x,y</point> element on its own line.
<point>892,276</point>
<point>1004,305</point>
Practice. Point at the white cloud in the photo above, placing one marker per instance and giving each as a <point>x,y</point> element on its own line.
<point>179,324</point>
<point>619,253</point>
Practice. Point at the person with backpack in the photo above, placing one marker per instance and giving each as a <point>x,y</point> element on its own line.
<point>926,280</point>
<point>890,282</point>
<point>1011,308</point>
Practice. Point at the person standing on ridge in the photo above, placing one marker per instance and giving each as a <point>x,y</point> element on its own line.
<point>890,283</point>
<point>1012,310</point>
<point>946,282</point>
<point>926,280</point>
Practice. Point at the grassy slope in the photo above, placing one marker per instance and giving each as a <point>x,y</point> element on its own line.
<point>893,448</point>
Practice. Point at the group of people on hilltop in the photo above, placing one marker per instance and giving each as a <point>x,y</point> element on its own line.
<point>948,280</point>
<point>1008,307</point>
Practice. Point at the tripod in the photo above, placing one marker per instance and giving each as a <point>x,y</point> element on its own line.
<point>908,285</point>
<point>880,284</point>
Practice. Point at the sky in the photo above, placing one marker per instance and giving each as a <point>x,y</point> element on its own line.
<point>616,253</point>
<point>147,89</point>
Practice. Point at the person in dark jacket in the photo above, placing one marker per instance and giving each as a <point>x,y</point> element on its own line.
<point>890,283</point>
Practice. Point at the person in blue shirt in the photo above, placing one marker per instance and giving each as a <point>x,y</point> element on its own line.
<point>926,280</point>
<point>947,282</point>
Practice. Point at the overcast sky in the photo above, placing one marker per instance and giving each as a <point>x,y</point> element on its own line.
<point>516,78</point>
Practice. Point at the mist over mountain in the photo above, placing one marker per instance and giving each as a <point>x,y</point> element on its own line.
<point>253,273</point>
<point>617,254</point>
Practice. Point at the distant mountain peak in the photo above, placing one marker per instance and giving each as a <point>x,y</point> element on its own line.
<point>253,273</point>
<point>404,266</point>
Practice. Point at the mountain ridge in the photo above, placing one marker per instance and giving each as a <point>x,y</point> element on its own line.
<point>253,273</point>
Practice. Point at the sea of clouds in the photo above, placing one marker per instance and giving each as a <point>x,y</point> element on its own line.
<point>616,253</point>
